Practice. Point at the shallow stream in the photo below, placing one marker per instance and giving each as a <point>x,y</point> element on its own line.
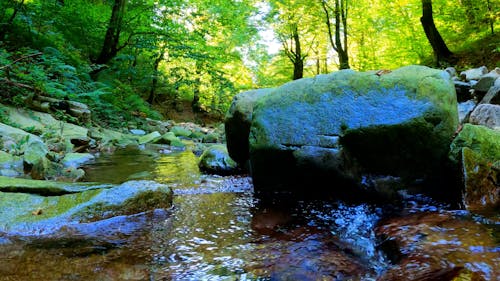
<point>220,229</point>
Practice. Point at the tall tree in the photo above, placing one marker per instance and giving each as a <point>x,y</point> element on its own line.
<point>293,50</point>
<point>110,46</point>
<point>339,39</point>
<point>441,51</point>
<point>295,25</point>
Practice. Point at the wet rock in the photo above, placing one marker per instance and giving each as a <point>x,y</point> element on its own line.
<point>43,187</point>
<point>480,139</point>
<point>475,150</point>
<point>237,123</point>
<point>440,246</point>
<point>384,126</point>
<point>215,160</point>
<point>487,115</point>
<point>76,159</point>
<point>481,182</point>
<point>171,139</point>
<point>27,214</point>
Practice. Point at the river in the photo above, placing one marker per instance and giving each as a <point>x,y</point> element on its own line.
<point>219,228</point>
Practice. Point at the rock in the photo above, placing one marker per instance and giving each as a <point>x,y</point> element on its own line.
<point>487,115</point>
<point>473,74</point>
<point>480,139</point>
<point>27,214</point>
<point>463,90</point>
<point>10,166</point>
<point>397,124</point>
<point>34,151</point>
<point>476,149</point>
<point>481,182</point>
<point>237,123</point>
<point>15,134</point>
<point>493,95</point>
<point>464,110</point>
<point>181,131</point>
<point>171,139</point>
<point>76,159</point>
<point>112,138</point>
<point>137,132</point>
<point>150,138</point>
<point>452,71</point>
<point>43,122</point>
<point>43,187</point>
<point>211,138</point>
<point>486,82</point>
<point>215,160</point>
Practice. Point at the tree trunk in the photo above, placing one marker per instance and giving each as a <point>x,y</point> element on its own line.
<point>4,26</point>
<point>298,62</point>
<point>441,51</point>
<point>340,12</point>
<point>111,40</point>
<point>491,18</point>
<point>154,83</point>
<point>293,50</point>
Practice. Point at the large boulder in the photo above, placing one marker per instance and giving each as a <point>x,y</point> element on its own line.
<point>237,123</point>
<point>346,124</point>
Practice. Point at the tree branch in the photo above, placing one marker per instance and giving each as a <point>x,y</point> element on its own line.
<point>20,59</point>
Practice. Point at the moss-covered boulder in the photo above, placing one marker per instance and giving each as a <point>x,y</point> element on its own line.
<point>149,138</point>
<point>28,214</point>
<point>215,160</point>
<point>476,149</point>
<point>43,122</point>
<point>181,131</point>
<point>399,124</point>
<point>480,139</point>
<point>109,138</point>
<point>237,123</point>
<point>171,139</point>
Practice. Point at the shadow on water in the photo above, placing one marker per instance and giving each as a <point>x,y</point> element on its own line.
<point>220,229</point>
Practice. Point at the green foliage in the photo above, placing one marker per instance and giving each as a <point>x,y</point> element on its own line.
<point>205,52</point>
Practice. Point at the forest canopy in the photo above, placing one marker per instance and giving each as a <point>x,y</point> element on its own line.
<point>142,57</point>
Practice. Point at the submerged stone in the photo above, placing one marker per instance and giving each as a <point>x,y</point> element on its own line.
<point>438,246</point>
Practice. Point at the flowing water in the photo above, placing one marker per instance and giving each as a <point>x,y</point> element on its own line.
<point>220,229</point>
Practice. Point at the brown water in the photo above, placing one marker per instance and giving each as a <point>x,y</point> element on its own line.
<point>219,229</point>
